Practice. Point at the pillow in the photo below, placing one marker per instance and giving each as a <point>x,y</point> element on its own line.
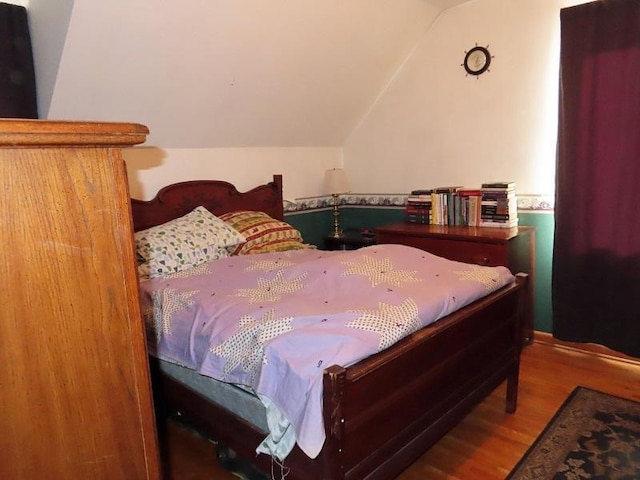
<point>263,233</point>
<point>188,241</point>
<point>148,270</point>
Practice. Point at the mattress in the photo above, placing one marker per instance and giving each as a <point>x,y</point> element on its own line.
<point>234,398</point>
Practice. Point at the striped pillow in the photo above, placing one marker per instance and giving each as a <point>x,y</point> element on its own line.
<point>263,233</point>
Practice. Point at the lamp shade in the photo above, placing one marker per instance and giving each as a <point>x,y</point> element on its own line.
<point>336,181</point>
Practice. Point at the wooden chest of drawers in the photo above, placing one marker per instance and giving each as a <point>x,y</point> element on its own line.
<point>513,248</point>
<point>75,393</point>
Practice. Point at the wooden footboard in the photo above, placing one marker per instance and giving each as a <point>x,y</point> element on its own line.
<point>388,409</point>
<point>385,411</point>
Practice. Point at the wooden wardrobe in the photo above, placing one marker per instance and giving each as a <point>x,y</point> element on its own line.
<point>75,395</point>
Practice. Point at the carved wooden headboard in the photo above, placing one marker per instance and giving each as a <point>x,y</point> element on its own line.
<point>217,196</point>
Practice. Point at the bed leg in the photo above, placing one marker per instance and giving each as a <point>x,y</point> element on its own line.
<point>522,279</point>
<point>512,391</point>
<point>161,409</point>
<point>333,388</point>
<point>239,467</point>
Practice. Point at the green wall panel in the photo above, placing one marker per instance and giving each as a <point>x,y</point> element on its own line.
<point>358,218</point>
<point>313,224</point>
<point>544,225</point>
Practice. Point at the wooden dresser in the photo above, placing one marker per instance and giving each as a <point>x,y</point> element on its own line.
<point>75,392</point>
<point>513,248</point>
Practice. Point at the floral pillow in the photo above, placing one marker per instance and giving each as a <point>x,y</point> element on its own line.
<point>262,233</point>
<point>185,242</point>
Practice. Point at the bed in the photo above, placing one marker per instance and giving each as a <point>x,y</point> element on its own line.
<point>380,413</point>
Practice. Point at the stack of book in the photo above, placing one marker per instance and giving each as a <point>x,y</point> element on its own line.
<point>499,205</point>
<point>470,202</point>
<point>492,205</point>
<point>444,205</point>
<point>436,206</point>
<point>418,208</point>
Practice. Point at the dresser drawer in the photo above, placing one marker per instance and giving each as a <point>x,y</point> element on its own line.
<point>512,248</point>
<point>490,254</point>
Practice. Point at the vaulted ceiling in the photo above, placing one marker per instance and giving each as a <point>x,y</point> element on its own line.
<point>214,73</point>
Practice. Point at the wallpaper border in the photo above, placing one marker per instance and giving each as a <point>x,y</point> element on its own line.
<point>537,203</point>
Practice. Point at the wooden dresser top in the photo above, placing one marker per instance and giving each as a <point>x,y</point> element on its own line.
<point>450,232</point>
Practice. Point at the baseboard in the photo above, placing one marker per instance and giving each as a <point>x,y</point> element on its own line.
<point>590,348</point>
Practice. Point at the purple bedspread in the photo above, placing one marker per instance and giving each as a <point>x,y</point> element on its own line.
<point>275,321</point>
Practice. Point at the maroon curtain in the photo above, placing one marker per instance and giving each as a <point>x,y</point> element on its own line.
<point>17,77</point>
<point>596,262</point>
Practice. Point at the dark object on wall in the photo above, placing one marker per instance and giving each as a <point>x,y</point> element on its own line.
<point>477,60</point>
<point>596,258</point>
<point>17,75</point>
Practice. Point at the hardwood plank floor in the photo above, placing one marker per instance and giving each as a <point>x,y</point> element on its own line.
<point>489,442</point>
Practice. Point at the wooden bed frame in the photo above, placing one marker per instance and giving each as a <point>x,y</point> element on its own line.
<point>383,412</point>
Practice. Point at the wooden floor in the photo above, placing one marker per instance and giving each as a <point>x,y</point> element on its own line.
<point>489,442</point>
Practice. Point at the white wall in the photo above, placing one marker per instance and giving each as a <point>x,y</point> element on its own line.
<point>150,168</point>
<point>436,126</point>
<point>231,90</point>
<point>430,126</point>
<point>241,73</point>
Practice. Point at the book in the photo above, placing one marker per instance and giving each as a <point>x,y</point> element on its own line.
<point>474,211</point>
<point>466,192</point>
<point>506,185</point>
<point>418,210</point>
<point>499,224</point>
<point>490,200</point>
<point>488,215</point>
<point>419,198</point>
<point>498,206</point>
<point>435,209</point>
<point>451,208</point>
<point>424,220</point>
<point>498,217</point>
<point>509,194</point>
<point>447,189</point>
<point>425,191</point>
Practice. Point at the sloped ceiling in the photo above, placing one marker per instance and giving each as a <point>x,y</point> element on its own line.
<point>241,73</point>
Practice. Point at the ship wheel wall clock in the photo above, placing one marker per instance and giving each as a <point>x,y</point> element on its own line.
<point>477,60</point>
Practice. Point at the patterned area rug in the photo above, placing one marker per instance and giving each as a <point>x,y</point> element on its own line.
<point>593,436</point>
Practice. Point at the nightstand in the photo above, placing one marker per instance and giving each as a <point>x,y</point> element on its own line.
<point>513,248</point>
<point>348,241</point>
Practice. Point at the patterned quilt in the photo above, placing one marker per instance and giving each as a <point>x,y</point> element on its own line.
<point>274,321</point>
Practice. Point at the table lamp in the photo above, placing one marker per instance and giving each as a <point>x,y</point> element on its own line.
<point>336,183</point>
